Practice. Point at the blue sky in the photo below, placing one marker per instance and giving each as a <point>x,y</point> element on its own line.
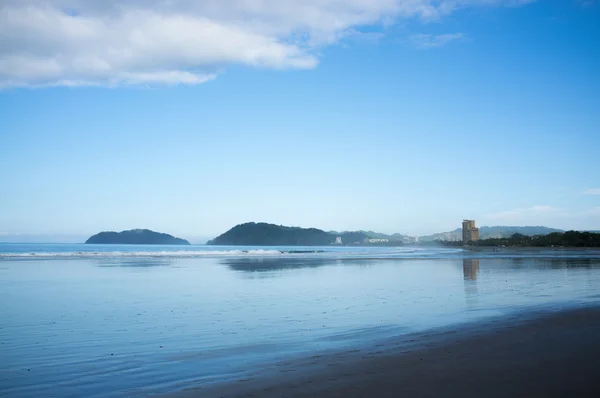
<point>388,115</point>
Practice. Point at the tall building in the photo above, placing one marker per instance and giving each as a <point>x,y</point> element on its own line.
<point>469,231</point>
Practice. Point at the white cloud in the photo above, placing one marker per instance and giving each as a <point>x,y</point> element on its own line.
<point>425,41</point>
<point>363,37</point>
<point>114,42</point>
<point>592,191</point>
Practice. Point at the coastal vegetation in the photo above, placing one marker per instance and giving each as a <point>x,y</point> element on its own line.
<point>135,237</point>
<point>554,239</point>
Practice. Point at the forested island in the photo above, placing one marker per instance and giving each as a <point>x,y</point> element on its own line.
<point>135,237</point>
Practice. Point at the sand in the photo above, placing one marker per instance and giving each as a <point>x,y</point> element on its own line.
<point>553,354</point>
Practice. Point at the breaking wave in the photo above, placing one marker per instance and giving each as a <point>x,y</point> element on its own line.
<point>166,254</point>
<point>176,254</point>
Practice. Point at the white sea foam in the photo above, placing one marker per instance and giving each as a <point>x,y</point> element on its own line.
<point>119,254</point>
<point>350,252</point>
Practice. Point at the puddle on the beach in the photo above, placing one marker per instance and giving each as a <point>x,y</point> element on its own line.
<point>101,327</point>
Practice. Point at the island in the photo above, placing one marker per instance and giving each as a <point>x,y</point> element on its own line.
<point>135,237</point>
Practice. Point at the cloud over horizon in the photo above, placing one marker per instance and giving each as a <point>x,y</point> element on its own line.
<point>111,43</point>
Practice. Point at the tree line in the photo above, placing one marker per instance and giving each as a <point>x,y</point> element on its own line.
<point>554,239</point>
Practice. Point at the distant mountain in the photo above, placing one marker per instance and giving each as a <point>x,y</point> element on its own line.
<point>263,234</point>
<point>136,237</point>
<point>491,232</point>
<point>505,232</point>
<point>445,236</point>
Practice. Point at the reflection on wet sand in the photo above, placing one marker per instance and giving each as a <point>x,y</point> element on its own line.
<point>470,273</point>
<point>267,264</point>
<point>471,266</point>
<point>133,262</point>
<point>470,269</point>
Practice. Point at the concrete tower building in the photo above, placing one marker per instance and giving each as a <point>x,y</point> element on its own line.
<point>469,231</point>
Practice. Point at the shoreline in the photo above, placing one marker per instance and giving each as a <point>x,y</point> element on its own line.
<point>266,252</point>
<point>533,354</point>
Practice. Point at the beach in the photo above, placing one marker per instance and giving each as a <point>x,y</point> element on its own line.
<point>209,321</point>
<point>549,354</point>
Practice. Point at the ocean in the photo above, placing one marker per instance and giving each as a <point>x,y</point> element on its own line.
<point>109,320</point>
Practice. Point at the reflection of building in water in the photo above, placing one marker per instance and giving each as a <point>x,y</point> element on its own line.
<point>470,272</point>
<point>470,232</point>
<point>470,268</point>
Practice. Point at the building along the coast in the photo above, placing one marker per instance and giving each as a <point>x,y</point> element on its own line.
<point>470,232</point>
<point>372,240</point>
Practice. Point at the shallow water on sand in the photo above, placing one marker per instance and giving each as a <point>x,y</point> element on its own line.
<point>105,325</point>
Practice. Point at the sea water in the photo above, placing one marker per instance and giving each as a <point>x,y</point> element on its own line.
<point>87,320</point>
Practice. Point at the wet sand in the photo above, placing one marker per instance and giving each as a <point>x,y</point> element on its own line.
<point>537,355</point>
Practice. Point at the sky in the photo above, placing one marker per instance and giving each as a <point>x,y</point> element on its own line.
<point>189,117</point>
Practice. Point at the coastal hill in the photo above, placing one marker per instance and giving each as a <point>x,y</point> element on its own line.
<point>495,232</point>
<point>263,234</point>
<point>136,237</point>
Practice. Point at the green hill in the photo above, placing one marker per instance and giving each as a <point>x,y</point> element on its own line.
<point>263,234</point>
<point>135,237</point>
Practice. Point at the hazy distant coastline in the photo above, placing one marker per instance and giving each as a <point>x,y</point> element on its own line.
<point>264,234</point>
